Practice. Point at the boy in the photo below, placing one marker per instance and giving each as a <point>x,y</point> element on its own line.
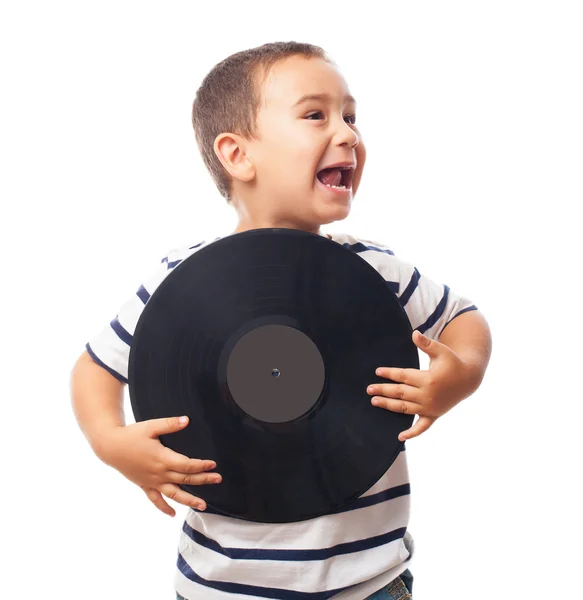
<point>273,125</point>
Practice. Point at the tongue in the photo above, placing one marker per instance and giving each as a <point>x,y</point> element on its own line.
<point>330,176</point>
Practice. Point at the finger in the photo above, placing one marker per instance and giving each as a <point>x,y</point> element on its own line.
<point>399,406</point>
<point>158,427</point>
<point>412,377</point>
<point>193,479</point>
<point>395,390</point>
<point>432,348</point>
<point>175,461</point>
<point>175,493</point>
<point>158,501</point>
<point>422,424</point>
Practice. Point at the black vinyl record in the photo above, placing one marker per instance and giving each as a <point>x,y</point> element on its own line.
<point>267,340</point>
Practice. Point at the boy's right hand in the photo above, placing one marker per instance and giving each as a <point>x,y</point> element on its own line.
<point>137,453</point>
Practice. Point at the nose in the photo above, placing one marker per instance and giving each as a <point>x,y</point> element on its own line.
<point>346,134</point>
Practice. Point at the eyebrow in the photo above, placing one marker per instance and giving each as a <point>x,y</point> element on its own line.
<point>325,97</point>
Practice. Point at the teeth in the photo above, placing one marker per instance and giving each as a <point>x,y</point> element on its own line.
<point>337,187</point>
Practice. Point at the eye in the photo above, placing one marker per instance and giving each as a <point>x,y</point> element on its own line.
<point>352,117</point>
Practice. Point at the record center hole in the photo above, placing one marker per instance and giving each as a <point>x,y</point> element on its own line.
<point>275,372</point>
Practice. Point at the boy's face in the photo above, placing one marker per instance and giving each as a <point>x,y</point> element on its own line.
<point>296,140</point>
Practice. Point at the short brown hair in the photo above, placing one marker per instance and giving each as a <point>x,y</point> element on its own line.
<point>229,98</point>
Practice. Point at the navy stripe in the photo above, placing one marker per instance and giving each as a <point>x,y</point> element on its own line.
<point>360,247</point>
<point>292,555</point>
<point>436,313</point>
<point>411,287</point>
<point>122,334</point>
<point>393,286</point>
<point>174,263</point>
<point>102,364</point>
<point>252,590</point>
<point>390,494</point>
<point>461,312</point>
<point>143,294</point>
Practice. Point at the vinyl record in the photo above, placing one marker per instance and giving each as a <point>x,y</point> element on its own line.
<point>267,340</point>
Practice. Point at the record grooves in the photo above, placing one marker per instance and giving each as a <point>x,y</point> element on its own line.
<point>267,340</point>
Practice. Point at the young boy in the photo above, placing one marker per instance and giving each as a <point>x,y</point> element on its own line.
<point>271,124</point>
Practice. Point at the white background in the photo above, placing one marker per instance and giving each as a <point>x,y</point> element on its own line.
<point>472,116</point>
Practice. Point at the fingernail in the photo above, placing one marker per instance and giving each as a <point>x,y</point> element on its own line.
<point>183,419</point>
<point>379,371</point>
<point>370,389</point>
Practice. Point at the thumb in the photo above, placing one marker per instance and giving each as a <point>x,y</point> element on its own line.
<point>424,343</point>
<point>164,425</point>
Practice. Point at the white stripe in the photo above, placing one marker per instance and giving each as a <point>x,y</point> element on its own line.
<point>396,474</point>
<point>107,345</point>
<point>194,591</point>
<point>314,575</point>
<point>425,298</point>
<point>111,350</point>
<point>367,588</point>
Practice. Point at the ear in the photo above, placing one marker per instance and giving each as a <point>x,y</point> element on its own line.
<point>230,149</point>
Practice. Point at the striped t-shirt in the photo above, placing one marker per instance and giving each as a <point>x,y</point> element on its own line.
<point>346,555</point>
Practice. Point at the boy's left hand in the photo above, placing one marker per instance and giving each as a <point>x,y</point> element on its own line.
<point>429,394</point>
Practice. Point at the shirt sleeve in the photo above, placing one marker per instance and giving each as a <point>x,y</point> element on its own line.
<point>430,306</point>
<point>110,348</point>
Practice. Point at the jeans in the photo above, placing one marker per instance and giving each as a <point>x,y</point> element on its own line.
<point>400,588</point>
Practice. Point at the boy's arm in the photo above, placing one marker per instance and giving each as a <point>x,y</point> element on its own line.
<point>469,337</point>
<point>97,399</point>
<point>134,450</point>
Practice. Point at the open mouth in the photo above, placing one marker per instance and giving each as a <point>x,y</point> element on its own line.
<point>339,178</point>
